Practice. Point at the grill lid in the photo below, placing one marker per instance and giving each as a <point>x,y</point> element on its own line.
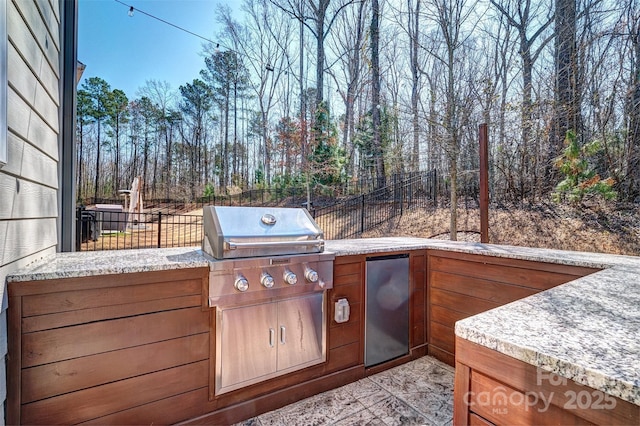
<point>232,232</point>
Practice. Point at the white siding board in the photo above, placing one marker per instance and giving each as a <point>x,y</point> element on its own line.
<point>23,77</point>
<point>29,199</point>
<point>22,38</point>
<point>20,263</point>
<point>28,14</point>
<point>26,161</point>
<point>28,125</point>
<point>25,237</point>
<point>24,82</point>
<point>50,19</point>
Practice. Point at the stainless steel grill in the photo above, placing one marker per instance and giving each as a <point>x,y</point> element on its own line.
<point>234,232</point>
<point>268,286</point>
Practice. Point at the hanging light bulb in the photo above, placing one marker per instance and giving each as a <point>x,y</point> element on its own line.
<point>131,9</point>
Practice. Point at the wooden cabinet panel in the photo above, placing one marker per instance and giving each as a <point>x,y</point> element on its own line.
<point>503,405</point>
<point>343,335</point>
<point>504,390</point>
<point>492,291</point>
<point>88,339</point>
<point>86,348</point>
<point>165,411</point>
<point>91,298</point>
<point>98,401</point>
<point>48,380</point>
<point>64,319</point>
<point>459,302</point>
<point>460,285</point>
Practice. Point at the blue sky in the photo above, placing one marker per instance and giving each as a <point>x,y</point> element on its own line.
<point>126,51</point>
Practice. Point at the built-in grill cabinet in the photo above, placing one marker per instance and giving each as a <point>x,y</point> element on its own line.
<point>268,288</point>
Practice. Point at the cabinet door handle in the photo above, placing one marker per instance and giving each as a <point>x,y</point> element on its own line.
<point>283,332</point>
<point>272,337</point>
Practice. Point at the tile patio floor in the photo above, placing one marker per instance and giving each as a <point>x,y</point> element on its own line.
<point>417,393</point>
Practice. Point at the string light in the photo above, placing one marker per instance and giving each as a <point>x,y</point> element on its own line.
<point>268,67</point>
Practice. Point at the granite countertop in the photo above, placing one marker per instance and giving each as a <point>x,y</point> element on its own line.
<point>92,263</point>
<point>587,330</point>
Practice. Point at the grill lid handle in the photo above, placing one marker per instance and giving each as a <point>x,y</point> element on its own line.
<point>267,244</point>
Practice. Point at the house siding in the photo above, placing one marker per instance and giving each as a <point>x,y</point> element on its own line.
<point>29,181</point>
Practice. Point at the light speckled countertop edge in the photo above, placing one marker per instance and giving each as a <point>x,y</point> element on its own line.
<point>617,379</point>
<point>110,262</point>
<point>84,264</point>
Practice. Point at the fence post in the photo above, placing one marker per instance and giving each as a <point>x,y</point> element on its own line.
<point>362,213</point>
<point>435,187</point>
<point>159,229</point>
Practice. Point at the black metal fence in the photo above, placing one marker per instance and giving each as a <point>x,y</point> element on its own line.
<point>110,230</point>
<point>356,215</point>
<point>338,217</point>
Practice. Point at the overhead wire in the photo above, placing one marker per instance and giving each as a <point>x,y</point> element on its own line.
<point>268,66</point>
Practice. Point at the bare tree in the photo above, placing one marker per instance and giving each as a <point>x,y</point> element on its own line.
<point>348,43</point>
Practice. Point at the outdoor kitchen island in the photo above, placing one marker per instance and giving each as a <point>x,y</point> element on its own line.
<point>126,337</point>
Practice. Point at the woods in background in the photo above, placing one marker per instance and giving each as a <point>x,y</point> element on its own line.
<point>328,91</point>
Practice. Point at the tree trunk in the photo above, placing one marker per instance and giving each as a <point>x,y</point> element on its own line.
<point>375,94</point>
<point>567,102</point>
<point>633,110</point>
<point>414,46</point>
<point>95,193</point>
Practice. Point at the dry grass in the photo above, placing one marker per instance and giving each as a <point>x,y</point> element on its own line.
<point>594,228</point>
<point>612,228</point>
<point>175,231</point>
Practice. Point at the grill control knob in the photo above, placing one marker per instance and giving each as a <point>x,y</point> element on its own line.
<point>241,284</point>
<point>290,278</point>
<point>267,280</point>
<point>311,275</point>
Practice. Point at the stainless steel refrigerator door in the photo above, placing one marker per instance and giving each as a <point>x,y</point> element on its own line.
<point>386,333</point>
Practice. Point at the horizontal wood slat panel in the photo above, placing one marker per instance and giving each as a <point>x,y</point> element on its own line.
<point>526,277</point>
<point>343,357</point>
<point>65,319</point>
<point>578,271</point>
<point>495,401</point>
<point>351,292</point>
<point>71,342</point>
<point>526,377</point>
<point>93,298</point>
<point>475,420</point>
<point>442,355</point>
<point>340,270</point>
<point>446,316</point>
<point>353,259</point>
<point>344,334</point>
<point>442,337</point>
<point>102,400</point>
<point>103,281</point>
<point>353,279</point>
<point>165,411</point>
<point>483,289</point>
<point>459,302</point>
<point>67,376</point>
